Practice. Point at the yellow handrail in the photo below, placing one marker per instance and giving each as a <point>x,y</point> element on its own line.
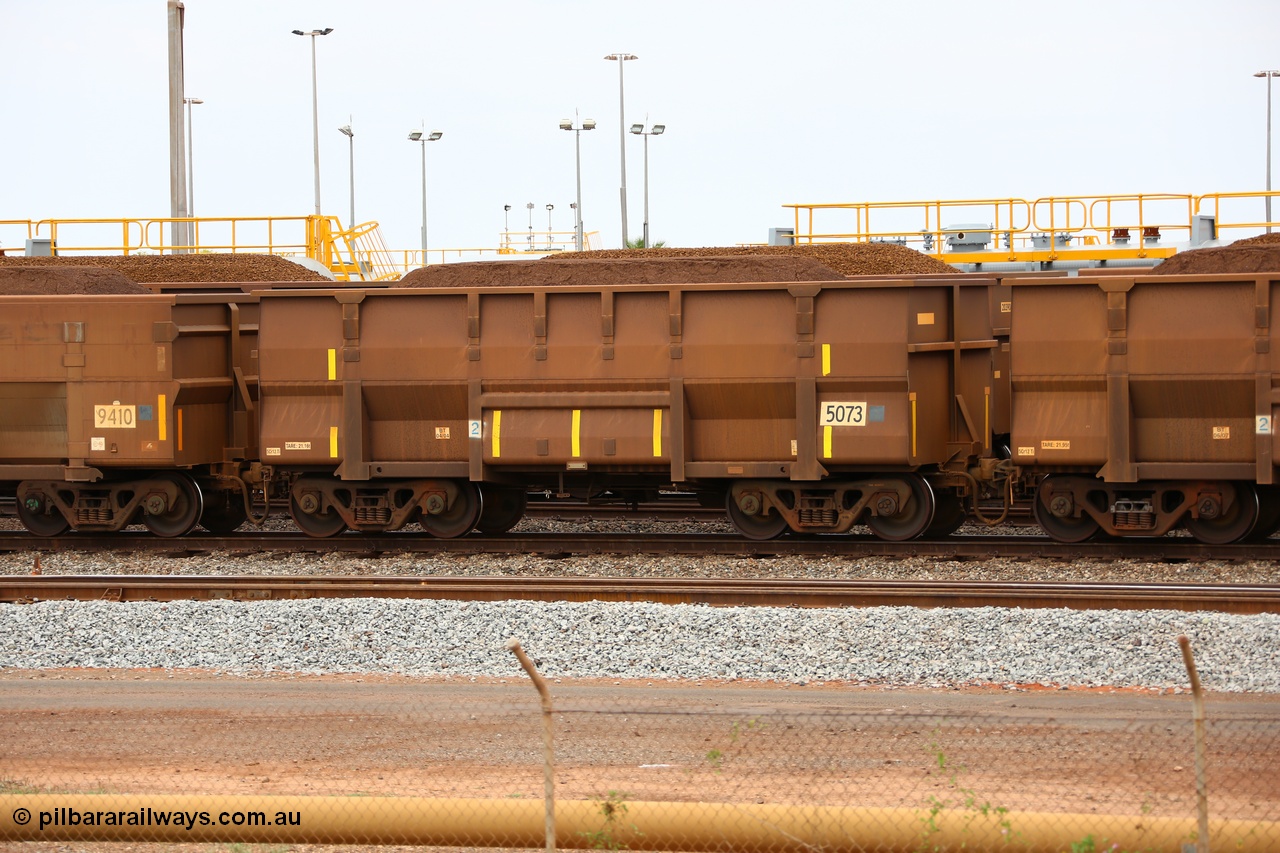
<point>1090,225</point>
<point>358,253</point>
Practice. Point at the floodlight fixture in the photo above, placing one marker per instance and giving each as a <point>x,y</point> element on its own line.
<point>1268,74</point>
<point>418,136</point>
<point>315,106</point>
<point>655,130</point>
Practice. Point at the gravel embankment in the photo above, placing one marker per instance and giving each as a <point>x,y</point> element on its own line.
<point>887,645</point>
<point>894,645</point>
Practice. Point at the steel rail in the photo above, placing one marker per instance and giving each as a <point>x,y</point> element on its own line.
<point>957,547</point>
<point>710,591</point>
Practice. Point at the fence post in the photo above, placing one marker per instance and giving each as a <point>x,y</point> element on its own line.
<point>548,753</point>
<point>1202,796</point>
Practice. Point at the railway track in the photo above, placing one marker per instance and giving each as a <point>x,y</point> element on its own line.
<point>960,547</point>
<point>719,592</point>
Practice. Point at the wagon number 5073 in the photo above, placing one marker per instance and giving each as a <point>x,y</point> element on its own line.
<point>843,414</point>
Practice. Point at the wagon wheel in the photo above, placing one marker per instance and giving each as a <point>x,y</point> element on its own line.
<point>178,517</point>
<point>760,527</point>
<point>39,515</point>
<point>912,518</point>
<point>1268,513</point>
<point>948,516</point>
<point>319,525</point>
<point>1069,529</point>
<point>503,508</point>
<point>1231,526</point>
<point>224,512</point>
<point>457,520</point>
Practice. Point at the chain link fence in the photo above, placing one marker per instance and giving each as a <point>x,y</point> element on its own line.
<point>288,761</point>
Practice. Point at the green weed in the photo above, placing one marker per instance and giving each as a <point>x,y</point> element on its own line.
<point>613,808</point>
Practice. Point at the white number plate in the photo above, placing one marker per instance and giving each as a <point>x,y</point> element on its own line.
<point>843,414</point>
<point>115,417</point>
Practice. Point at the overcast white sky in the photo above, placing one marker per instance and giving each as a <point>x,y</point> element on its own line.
<point>765,104</point>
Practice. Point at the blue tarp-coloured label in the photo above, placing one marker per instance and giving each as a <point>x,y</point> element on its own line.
<point>144,413</point>
<point>875,414</point>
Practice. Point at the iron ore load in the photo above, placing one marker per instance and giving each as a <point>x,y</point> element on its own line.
<point>903,405</point>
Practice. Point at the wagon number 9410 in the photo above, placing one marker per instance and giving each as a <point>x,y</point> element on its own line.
<point>843,414</point>
<point>115,417</point>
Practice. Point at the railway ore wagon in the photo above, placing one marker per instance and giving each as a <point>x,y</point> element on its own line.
<point>808,407</point>
<point>1147,402</point>
<point>127,408</point>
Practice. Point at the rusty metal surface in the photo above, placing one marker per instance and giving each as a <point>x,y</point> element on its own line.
<point>1145,377</point>
<point>676,382</point>
<point>124,381</point>
<point>719,592</point>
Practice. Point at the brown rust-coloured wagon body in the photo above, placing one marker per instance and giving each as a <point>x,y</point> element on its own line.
<point>1148,400</point>
<point>811,406</point>
<point>123,408</point>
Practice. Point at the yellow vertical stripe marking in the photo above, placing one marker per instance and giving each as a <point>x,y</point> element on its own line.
<point>333,442</point>
<point>161,415</point>
<point>657,432</point>
<point>177,414</point>
<point>826,359</point>
<point>497,431</point>
<point>577,432</point>
<point>333,364</point>
<point>986,419</point>
<point>826,442</point>
<point>913,426</point>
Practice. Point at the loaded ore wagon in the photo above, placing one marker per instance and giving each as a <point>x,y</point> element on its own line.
<point>120,409</point>
<point>1145,402</point>
<point>809,407</point>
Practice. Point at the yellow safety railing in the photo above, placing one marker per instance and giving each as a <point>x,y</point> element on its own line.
<point>1237,211</point>
<point>358,253</point>
<point>1044,229</point>
<point>542,242</point>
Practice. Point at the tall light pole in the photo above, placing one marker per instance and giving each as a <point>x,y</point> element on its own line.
<point>191,180</point>
<point>621,59</point>
<point>1268,75</point>
<point>346,131</point>
<point>315,104</point>
<point>656,130</point>
<point>587,124</point>
<point>506,226</point>
<point>530,207</point>
<point>418,136</point>
<point>550,208</point>
<point>177,168</point>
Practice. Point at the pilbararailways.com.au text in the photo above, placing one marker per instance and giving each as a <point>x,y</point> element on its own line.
<point>66,816</point>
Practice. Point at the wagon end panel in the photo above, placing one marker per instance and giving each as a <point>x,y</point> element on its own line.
<point>301,357</point>
<point>417,351</point>
<point>865,409</point>
<point>1058,367</point>
<point>99,382</point>
<point>1192,364</point>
